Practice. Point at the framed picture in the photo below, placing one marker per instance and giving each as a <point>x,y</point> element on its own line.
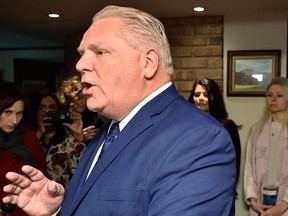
<point>249,72</point>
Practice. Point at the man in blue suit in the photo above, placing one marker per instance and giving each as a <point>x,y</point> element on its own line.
<point>169,159</point>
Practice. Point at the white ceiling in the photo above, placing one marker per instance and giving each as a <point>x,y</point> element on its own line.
<point>30,16</point>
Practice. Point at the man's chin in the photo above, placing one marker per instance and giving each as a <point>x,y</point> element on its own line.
<point>93,108</point>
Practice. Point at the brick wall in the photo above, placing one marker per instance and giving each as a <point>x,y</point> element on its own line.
<point>196,47</point>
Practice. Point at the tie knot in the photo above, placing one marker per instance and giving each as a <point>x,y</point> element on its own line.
<point>114,130</point>
<point>112,134</point>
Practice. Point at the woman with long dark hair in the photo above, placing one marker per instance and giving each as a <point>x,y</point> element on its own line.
<point>46,131</point>
<point>18,144</point>
<point>206,95</point>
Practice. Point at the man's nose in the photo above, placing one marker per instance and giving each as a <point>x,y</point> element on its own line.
<point>79,65</point>
<point>84,64</point>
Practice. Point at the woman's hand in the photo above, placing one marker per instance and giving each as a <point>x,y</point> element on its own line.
<point>276,210</point>
<point>77,126</point>
<point>89,132</point>
<point>259,207</point>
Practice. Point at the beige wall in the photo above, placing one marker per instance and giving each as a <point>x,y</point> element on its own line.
<point>251,33</point>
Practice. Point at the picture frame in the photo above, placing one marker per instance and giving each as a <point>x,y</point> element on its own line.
<point>250,71</point>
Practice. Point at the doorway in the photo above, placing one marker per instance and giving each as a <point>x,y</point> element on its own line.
<point>33,75</point>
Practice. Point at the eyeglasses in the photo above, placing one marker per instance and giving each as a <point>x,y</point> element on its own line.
<point>48,106</point>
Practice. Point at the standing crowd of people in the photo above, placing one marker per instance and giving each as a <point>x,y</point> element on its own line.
<point>29,135</point>
<point>132,144</point>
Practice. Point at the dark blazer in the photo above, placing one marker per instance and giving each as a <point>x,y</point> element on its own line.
<point>171,159</point>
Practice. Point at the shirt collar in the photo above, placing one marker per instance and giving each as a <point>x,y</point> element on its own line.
<point>125,121</point>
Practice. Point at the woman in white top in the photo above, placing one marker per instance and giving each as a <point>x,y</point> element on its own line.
<point>266,164</point>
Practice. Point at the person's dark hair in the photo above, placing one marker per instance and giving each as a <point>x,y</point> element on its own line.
<point>37,100</point>
<point>11,93</point>
<point>217,107</point>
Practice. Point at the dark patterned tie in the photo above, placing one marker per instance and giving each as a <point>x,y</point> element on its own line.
<point>112,134</point>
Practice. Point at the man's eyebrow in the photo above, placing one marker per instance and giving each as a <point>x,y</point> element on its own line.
<point>90,47</point>
<point>93,46</point>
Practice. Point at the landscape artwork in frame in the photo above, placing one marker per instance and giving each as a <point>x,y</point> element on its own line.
<point>249,72</point>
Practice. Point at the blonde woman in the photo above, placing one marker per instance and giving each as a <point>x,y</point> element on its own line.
<point>266,173</point>
<point>62,157</point>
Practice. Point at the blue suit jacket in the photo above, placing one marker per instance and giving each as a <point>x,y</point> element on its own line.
<point>171,159</point>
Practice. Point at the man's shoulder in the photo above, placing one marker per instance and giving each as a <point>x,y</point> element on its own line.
<point>190,112</point>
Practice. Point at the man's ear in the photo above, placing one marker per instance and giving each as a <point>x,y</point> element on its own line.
<point>152,63</point>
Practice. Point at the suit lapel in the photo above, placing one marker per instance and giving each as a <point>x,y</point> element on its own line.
<point>140,122</point>
<point>132,130</point>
